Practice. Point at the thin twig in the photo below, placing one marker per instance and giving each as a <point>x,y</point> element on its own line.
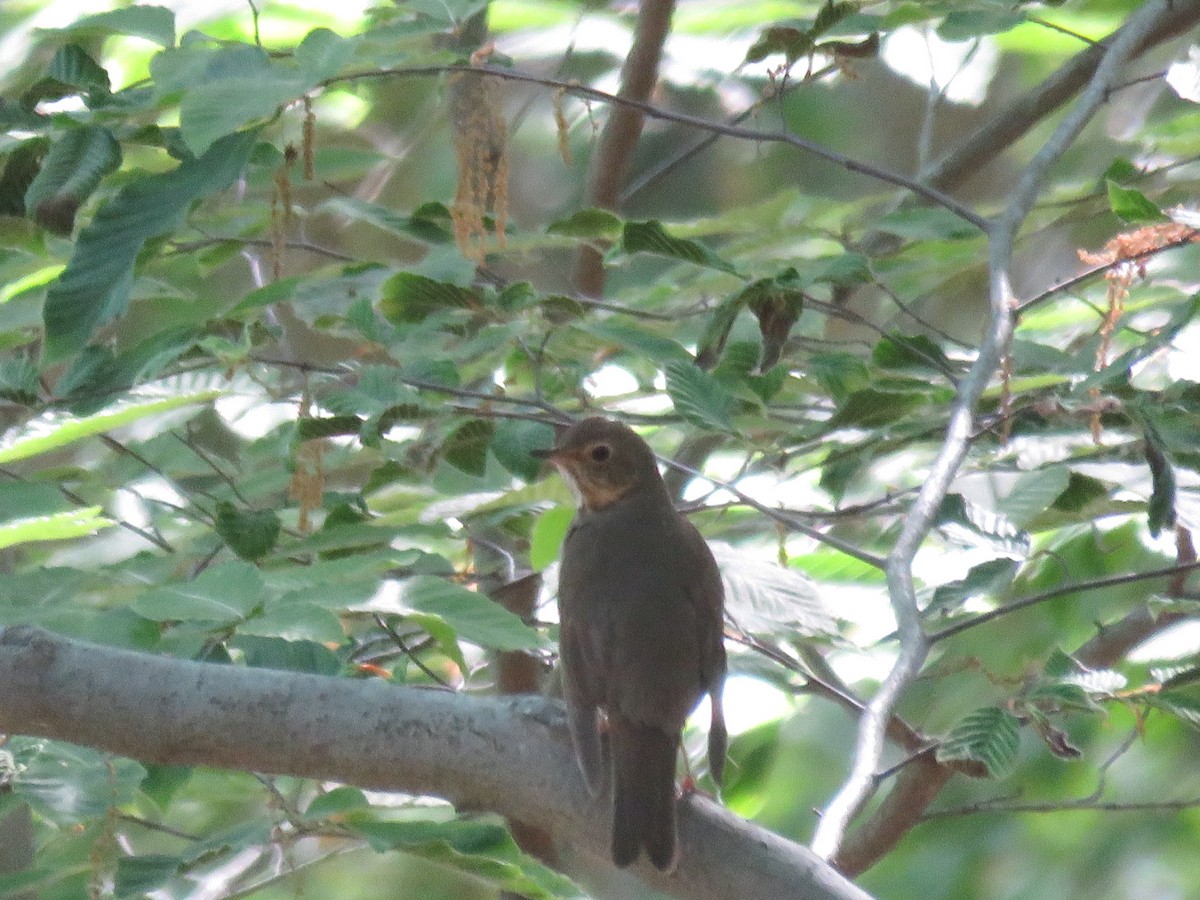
<point>783,517</point>
<point>914,644</point>
<point>656,112</point>
<point>398,639</point>
<point>1061,591</point>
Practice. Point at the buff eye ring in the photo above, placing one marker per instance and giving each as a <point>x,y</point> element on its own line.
<point>600,453</point>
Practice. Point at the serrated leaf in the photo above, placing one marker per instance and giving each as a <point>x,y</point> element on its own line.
<point>475,617</point>
<point>840,374</point>
<point>95,286</point>
<point>989,577</point>
<point>72,169</point>
<point>989,736</point>
<point>72,65</point>
<point>224,594</point>
<point>699,397</point>
<point>1132,205</point>
<point>69,783</point>
<point>765,599</point>
<point>1032,493</point>
<point>251,534</point>
<point>409,297</point>
<point>1183,703</point>
<point>57,527</point>
<point>651,237</point>
<point>53,430</point>
<point>467,446</point>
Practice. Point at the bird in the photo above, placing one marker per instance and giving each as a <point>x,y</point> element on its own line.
<point>641,633</point>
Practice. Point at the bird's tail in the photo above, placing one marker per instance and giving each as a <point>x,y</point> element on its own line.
<point>643,793</point>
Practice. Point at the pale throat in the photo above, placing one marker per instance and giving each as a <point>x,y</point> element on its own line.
<point>593,497</point>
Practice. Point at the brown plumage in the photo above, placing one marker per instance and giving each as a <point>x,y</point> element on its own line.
<point>641,612</point>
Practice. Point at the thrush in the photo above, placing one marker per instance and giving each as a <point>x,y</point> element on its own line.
<point>640,638</point>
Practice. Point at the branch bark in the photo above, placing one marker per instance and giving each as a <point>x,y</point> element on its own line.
<point>610,164</point>
<point>506,755</point>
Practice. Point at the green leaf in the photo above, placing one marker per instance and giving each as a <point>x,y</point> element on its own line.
<point>873,408</point>
<point>699,397</point>
<point>409,297</point>
<point>1132,205</point>
<point>651,346</point>
<point>72,65</point>
<point>57,527</point>
<point>482,849</point>
<point>138,875</point>
<point>293,656</point>
<point>651,237</point>
<point>1032,493</point>
<point>967,25</point>
<point>467,446</point>
<point>588,223</point>
<point>69,783</point>
<point>1162,473</point>
<point>424,228</point>
<point>154,23</point>
<point>988,736</point>
<point>990,577</point>
<point>926,224</point>
<point>214,110</point>
<point>54,430</point>
<point>475,617</point>
<point>549,532</point>
<point>336,802</point>
<point>903,351</point>
<point>224,594</point>
<point>251,534</point>
<point>840,374</point>
<point>512,441</point>
<point>72,169</point>
<point>322,54</point>
<point>296,621</point>
<point>95,286</point>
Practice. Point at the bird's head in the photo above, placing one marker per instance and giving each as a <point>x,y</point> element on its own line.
<point>603,461</point>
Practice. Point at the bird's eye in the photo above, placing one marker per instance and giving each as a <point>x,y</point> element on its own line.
<point>601,453</point>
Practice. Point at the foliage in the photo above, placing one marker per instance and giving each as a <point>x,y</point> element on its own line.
<point>285,310</point>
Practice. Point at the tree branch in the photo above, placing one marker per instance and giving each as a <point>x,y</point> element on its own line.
<point>914,644</point>
<point>507,755</point>
<point>1023,113</point>
<point>610,163</point>
<point>933,195</point>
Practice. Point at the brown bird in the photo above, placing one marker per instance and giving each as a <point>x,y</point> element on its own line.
<point>641,610</point>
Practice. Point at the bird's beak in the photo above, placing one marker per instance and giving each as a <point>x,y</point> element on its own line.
<point>543,454</point>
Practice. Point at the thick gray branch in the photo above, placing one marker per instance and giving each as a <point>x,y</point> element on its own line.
<point>504,755</point>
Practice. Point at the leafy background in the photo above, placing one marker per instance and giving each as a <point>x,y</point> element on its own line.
<point>286,304</point>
